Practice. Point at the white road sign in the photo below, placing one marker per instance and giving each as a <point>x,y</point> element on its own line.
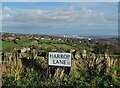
<point>59,59</point>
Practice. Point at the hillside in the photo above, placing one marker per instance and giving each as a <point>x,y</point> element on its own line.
<point>95,63</point>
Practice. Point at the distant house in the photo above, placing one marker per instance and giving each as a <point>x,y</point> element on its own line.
<point>42,38</point>
<point>11,38</point>
<point>89,39</point>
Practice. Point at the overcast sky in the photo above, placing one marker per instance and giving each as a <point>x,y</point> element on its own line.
<point>89,18</point>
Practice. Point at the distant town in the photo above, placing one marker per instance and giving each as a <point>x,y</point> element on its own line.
<point>58,37</point>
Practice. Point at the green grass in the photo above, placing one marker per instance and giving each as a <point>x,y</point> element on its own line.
<point>57,46</point>
<point>44,45</point>
<point>22,42</point>
<point>44,41</point>
<point>50,41</point>
<point>63,46</point>
<point>6,44</point>
<point>11,44</point>
<point>25,42</point>
<point>83,46</point>
<point>49,44</point>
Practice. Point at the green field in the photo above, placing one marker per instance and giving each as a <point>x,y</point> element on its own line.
<point>6,45</point>
<point>93,64</point>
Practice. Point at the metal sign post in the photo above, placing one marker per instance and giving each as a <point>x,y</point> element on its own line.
<point>58,60</point>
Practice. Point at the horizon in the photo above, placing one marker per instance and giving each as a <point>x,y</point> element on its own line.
<point>69,35</point>
<point>51,18</point>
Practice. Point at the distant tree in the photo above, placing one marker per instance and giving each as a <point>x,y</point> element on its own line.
<point>100,48</point>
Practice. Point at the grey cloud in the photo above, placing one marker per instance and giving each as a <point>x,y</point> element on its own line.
<point>69,14</point>
<point>58,20</point>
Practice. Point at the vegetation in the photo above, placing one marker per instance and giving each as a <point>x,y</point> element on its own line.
<point>25,62</point>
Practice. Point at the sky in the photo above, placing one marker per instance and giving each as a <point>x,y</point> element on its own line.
<point>60,0</point>
<point>73,18</point>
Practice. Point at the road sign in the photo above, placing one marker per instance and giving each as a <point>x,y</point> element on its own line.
<point>59,59</point>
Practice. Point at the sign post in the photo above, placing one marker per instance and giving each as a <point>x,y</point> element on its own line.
<point>56,59</point>
<point>59,59</point>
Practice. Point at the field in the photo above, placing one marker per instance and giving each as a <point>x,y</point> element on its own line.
<point>95,63</point>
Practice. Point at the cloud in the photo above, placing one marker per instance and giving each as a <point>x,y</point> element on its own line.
<point>6,9</point>
<point>38,15</point>
<point>54,20</point>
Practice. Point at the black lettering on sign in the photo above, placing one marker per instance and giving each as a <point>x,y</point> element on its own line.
<point>62,61</point>
<point>54,62</point>
<point>59,62</point>
<point>51,55</point>
<point>64,56</point>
